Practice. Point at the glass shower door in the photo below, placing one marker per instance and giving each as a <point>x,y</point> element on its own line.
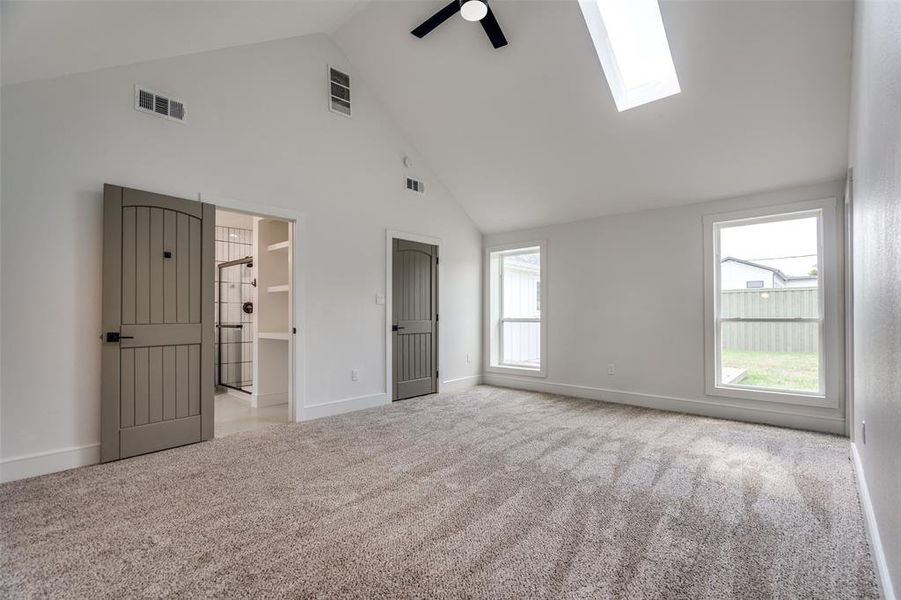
<point>236,324</point>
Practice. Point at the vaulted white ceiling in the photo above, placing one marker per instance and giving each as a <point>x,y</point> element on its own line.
<point>529,135</point>
<point>48,39</point>
<point>526,135</point>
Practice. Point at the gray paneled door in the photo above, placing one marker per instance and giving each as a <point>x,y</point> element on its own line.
<point>157,358</point>
<point>415,313</point>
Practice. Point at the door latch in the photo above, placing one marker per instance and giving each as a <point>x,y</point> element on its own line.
<point>397,328</point>
<point>115,336</point>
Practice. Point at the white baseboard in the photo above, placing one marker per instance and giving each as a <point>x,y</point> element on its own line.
<point>869,519</point>
<point>270,399</point>
<point>41,463</point>
<point>460,383</point>
<point>707,408</point>
<point>337,407</point>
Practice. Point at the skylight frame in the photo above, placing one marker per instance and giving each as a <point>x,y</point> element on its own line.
<point>660,79</point>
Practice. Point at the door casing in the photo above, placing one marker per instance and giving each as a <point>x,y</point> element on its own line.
<point>296,346</point>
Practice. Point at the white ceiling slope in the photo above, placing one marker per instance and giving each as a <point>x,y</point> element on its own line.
<point>528,135</point>
<point>49,39</point>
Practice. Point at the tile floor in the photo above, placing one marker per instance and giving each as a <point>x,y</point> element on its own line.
<point>234,414</point>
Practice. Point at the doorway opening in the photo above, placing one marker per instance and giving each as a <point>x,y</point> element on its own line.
<point>254,321</point>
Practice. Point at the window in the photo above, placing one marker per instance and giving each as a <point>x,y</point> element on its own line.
<point>631,43</point>
<point>516,298</point>
<point>771,298</point>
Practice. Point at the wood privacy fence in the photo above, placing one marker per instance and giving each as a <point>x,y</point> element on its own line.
<point>779,303</point>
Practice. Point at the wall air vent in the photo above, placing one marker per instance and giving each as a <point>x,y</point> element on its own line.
<point>415,185</point>
<point>160,105</point>
<point>339,92</point>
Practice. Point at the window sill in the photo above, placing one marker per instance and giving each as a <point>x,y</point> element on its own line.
<point>508,370</point>
<point>763,395</point>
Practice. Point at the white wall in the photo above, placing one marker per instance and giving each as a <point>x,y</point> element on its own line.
<point>258,131</point>
<point>629,290</point>
<point>875,156</point>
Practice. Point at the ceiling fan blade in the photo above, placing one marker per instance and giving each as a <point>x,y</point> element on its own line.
<point>437,19</point>
<point>493,30</point>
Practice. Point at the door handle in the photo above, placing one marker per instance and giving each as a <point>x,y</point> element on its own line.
<point>397,328</point>
<point>115,336</point>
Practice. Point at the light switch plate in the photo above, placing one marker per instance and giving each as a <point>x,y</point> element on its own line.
<point>380,299</point>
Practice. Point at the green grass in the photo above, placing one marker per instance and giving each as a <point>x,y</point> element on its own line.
<point>781,370</point>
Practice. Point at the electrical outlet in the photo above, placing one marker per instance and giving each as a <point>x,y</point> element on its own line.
<point>468,358</point>
<point>863,431</point>
<point>355,375</point>
<point>611,369</point>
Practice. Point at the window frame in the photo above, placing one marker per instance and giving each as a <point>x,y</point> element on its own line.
<point>829,294</point>
<point>494,319</point>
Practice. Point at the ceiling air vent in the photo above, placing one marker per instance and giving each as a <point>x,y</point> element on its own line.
<point>160,105</point>
<point>339,92</point>
<point>415,185</point>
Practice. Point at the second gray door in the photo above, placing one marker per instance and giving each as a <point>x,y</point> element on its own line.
<point>415,312</point>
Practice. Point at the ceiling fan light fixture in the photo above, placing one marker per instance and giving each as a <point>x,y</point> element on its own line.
<point>473,10</point>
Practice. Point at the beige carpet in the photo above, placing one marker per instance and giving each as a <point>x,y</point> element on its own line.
<point>488,493</point>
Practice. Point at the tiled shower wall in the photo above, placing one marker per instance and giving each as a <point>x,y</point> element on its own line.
<point>236,368</point>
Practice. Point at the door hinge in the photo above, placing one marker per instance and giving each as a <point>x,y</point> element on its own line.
<point>294,330</point>
<point>436,316</point>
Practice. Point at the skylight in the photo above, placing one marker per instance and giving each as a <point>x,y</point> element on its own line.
<point>631,42</point>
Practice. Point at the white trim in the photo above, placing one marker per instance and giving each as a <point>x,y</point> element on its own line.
<point>872,528</point>
<point>345,405</point>
<point>770,415</point>
<point>830,293</point>
<point>270,399</point>
<point>518,371</point>
<point>460,383</point>
<point>51,461</point>
<point>296,318</point>
<point>487,365</point>
<point>390,236</point>
<point>848,298</point>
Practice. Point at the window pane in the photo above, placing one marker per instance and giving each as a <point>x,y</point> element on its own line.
<point>770,303</point>
<point>766,256</point>
<point>779,356</point>
<point>521,281</point>
<point>515,308</point>
<point>522,344</point>
<point>770,271</point>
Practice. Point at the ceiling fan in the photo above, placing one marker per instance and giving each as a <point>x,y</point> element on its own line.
<point>471,10</point>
